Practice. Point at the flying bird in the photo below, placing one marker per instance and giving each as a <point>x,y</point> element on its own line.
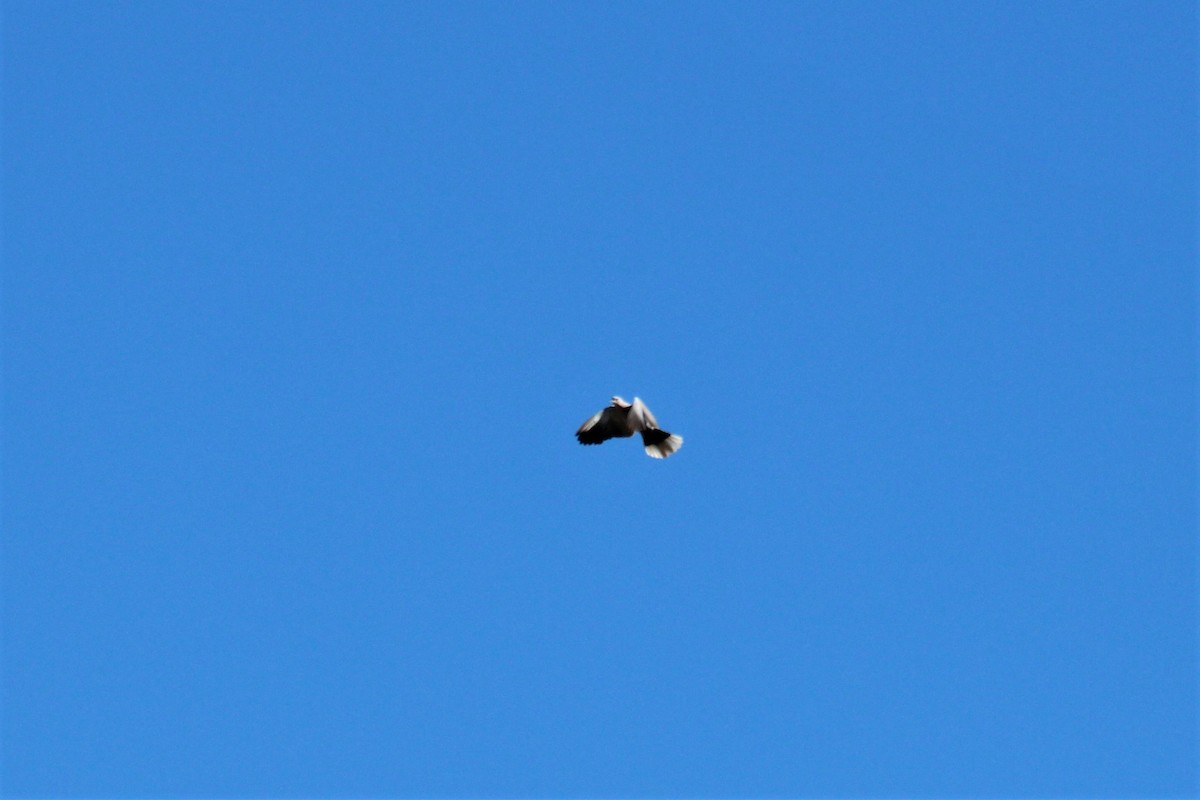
<point>622,420</point>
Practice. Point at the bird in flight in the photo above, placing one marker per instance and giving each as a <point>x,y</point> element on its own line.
<point>622,420</point>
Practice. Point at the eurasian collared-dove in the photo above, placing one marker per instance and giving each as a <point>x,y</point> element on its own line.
<point>621,420</point>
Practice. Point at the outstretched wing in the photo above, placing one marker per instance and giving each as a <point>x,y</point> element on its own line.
<point>610,423</point>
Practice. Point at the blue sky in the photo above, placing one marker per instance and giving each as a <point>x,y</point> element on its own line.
<point>303,302</point>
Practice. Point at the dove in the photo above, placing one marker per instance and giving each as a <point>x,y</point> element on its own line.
<point>622,420</point>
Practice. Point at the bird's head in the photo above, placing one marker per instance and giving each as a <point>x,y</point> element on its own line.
<point>619,402</point>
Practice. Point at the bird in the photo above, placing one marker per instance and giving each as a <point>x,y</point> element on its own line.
<point>622,420</point>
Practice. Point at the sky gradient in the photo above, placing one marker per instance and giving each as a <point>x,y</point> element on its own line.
<point>303,302</point>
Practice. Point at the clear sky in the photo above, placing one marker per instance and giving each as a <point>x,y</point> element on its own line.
<point>303,303</point>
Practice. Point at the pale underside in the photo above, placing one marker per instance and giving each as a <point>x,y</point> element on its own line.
<point>622,420</point>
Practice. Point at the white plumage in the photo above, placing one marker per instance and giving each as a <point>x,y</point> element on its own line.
<point>622,420</point>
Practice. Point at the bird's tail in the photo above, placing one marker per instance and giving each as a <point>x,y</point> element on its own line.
<point>660,444</point>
